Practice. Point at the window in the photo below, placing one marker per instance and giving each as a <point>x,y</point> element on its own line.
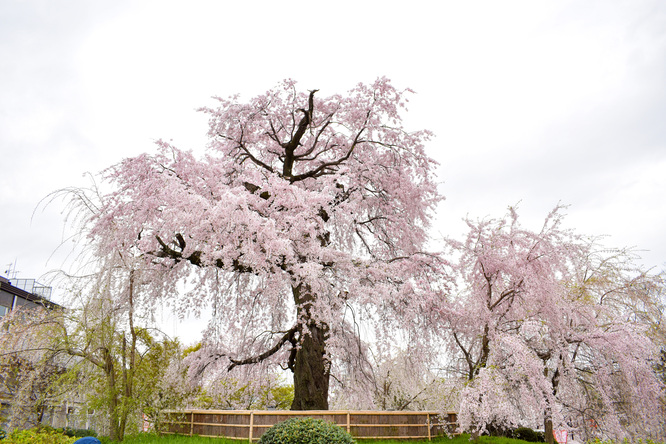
<point>3,310</point>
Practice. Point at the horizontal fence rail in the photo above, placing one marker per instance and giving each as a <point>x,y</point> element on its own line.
<point>251,424</point>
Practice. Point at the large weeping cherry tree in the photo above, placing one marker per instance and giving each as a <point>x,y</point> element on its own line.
<point>307,214</point>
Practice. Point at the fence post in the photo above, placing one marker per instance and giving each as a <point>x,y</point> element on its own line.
<point>428,423</point>
<point>251,424</point>
<point>348,423</point>
<point>191,422</point>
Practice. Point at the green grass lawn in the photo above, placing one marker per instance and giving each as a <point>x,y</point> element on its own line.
<point>460,439</point>
<point>146,438</point>
<point>178,439</point>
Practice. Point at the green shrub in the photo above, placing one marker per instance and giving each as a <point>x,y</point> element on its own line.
<point>79,433</point>
<point>3,434</point>
<point>494,429</point>
<point>45,428</point>
<point>34,436</point>
<point>527,434</point>
<point>305,431</point>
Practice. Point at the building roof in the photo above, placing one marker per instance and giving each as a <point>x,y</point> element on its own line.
<point>5,285</point>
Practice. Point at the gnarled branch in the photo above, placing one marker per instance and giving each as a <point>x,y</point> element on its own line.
<point>289,336</point>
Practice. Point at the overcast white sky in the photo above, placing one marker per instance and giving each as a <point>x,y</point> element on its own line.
<point>532,101</point>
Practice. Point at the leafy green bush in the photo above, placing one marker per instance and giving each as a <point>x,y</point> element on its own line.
<point>79,433</point>
<point>3,434</point>
<point>527,434</point>
<point>305,431</point>
<point>45,428</point>
<point>494,429</point>
<point>34,436</point>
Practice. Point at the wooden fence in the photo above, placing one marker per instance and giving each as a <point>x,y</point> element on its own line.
<point>251,424</point>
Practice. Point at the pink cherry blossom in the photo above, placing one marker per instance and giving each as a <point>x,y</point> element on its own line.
<point>544,326</point>
<point>307,213</point>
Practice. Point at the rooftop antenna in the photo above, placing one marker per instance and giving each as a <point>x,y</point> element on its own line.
<point>12,272</point>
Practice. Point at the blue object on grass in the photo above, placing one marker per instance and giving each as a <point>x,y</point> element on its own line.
<point>88,440</point>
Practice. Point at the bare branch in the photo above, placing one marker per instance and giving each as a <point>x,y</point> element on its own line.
<point>289,336</point>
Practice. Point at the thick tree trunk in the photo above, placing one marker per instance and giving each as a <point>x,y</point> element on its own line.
<point>311,372</point>
<point>311,368</point>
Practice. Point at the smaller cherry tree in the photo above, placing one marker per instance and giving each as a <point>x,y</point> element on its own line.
<point>249,388</point>
<point>406,381</point>
<point>29,367</point>
<point>542,328</point>
<point>402,379</point>
<point>652,312</point>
